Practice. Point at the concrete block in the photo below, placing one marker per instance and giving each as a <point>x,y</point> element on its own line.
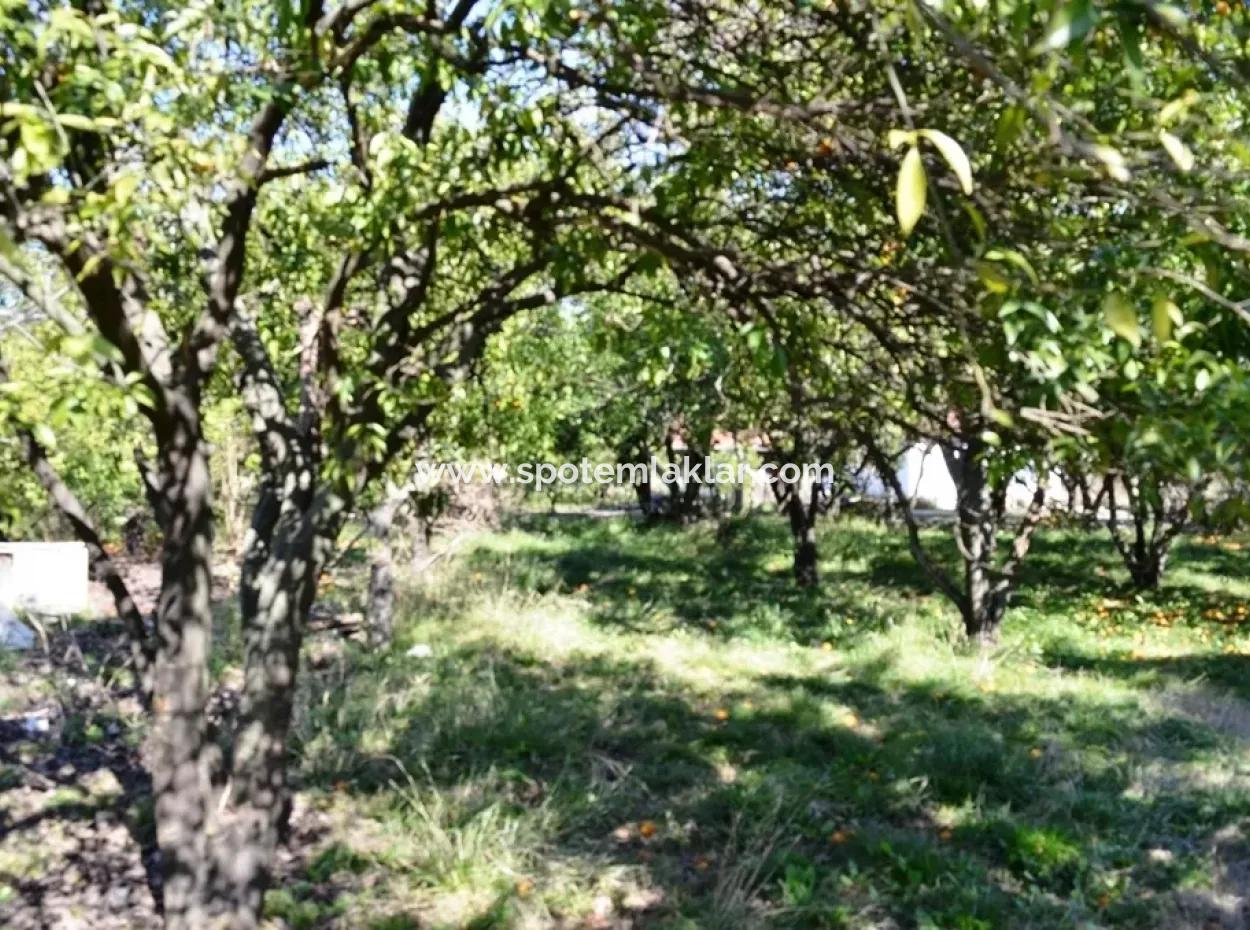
<point>44,577</point>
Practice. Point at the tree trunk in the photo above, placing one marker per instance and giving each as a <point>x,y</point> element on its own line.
<point>806,572</point>
<point>976,533</point>
<point>286,549</point>
<point>1146,558</point>
<point>381,597</point>
<point>983,596</point>
<point>802,531</point>
<point>643,491</point>
<point>737,499</point>
<point>183,758</point>
<point>259,804</point>
<point>983,606</point>
<point>684,505</point>
<point>1070,485</point>
<point>886,515</point>
<point>1140,568</point>
<point>1154,529</point>
<point>1146,571</point>
<point>218,842</point>
<point>691,508</point>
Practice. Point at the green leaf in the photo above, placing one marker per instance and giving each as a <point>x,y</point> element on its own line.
<point>1130,40</point>
<point>913,189</point>
<point>1177,149</point>
<point>1122,318</point>
<point>1178,107</point>
<point>84,123</point>
<point>897,138</point>
<point>954,155</point>
<point>184,19</point>
<point>44,436</point>
<point>124,187</point>
<point>1112,160</point>
<point>1164,316</point>
<point>1009,126</point>
<point>39,143</point>
<point>8,246</point>
<point>976,217</point>
<point>1171,14</point>
<point>1071,22</point>
<point>993,280</point>
<point>71,22</point>
<point>1012,257</point>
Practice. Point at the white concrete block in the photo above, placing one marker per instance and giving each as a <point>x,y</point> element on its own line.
<point>44,578</point>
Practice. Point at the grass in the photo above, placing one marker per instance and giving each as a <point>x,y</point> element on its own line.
<point>654,728</point>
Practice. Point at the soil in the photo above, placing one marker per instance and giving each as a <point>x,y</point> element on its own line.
<point>77,843</point>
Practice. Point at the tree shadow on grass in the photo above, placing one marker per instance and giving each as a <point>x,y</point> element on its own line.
<point>734,581</point>
<point>1063,569</point>
<point>893,799</point>
<point>1229,672</point>
<point>824,794</point>
<point>1059,562</point>
<point>1227,558</point>
<point>730,581</point>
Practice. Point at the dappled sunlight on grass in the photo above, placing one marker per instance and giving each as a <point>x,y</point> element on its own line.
<point>655,727</point>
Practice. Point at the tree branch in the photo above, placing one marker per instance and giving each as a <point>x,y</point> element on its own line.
<point>286,171</point>
<point>262,393</point>
<point>937,574</point>
<point>1023,538</point>
<point>141,648</point>
<point>205,337</point>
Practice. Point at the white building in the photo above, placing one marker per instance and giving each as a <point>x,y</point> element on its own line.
<point>928,483</point>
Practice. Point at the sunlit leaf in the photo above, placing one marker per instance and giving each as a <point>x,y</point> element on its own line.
<point>993,280</point>
<point>954,155</point>
<point>84,123</point>
<point>1122,318</point>
<point>71,22</point>
<point>913,188</point>
<point>1177,149</point>
<point>1012,257</point>
<point>1112,160</point>
<point>1164,317</point>
<point>1071,22</point>
<point>897,138</point>
<point>1170,13</point>
<point>1177,108</point>
<point>43,435</point>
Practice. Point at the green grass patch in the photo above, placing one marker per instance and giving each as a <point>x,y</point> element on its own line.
<point>653,725</point>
